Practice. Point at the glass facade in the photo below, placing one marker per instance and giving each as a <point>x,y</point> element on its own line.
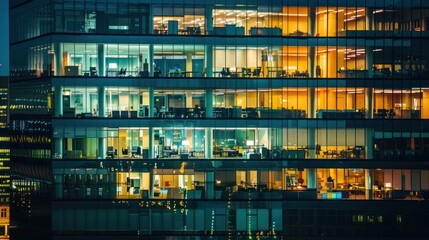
<point>221,119</point>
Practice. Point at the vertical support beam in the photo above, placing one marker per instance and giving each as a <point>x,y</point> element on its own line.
<point>311,102</point>
<point>369,54</point>
<point>209,19</point>
<point>151,145</point>
<point>311,172</point>
<point>312,178</point>
<point>101,102</point>
<point>209,61</point>
<point>58,147</point>
<point>312,62</point>
<point>102,147</point>
<point>369,19</point>
<point>189,63</point>
<point>58,101</point>
<point>189,99</point>
<point>369,102</point>
<point>209,179</point>
<point>102,142</point>
<point>151,184</point>
<point>208,141</point>
<point>101,58</point>
<point>151,103</point>
<point>369,144</point>
<point>58,50</point>
<point>311,142</point>
<point>369,173</point>
<point>209,103</point>
<point>312,21</point>
<point>151,60</point>
<point>150,22</point>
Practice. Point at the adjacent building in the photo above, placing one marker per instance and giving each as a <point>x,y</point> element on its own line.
<point>222,119</point>
<point>4,120</point>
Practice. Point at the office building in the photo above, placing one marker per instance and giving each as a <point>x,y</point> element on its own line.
<point>223,119</point>
<point>4,127</point>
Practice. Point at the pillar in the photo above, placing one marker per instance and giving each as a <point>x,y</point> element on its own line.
<point>209,61</point>
<point>312,178</point>
<point>58,50</point>
<point>151,102</point>
<point>58,102</point>
<point>312,21</point>
<point>101,102</point>
<point>311,172</point>
<point>312,62</point>
<point>369,145</point>
<point>209,19</point>
<point>369,173</point>
<point>58,147</point>
<point>189,63</point>
<point>151,145</point>
<point>151,183</point>
<point>150,22</point>
<point>151,60</point>
<point>58,187</point>
<point>369,54</point>
<point>101,58</point>
<point>208,143</point>
<point>209,180</point>
<point>369,19</point>
<point>311,142</point>
<point>189,99</point>
<point>369,102</point>
<point>209,103</point>
<point>102,147</point>
<point>311,103</point>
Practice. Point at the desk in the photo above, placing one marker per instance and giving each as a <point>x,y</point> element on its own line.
<point>229,153</point>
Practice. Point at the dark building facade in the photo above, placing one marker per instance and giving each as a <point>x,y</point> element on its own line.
<point>4,127</point>
<point>220,119</point>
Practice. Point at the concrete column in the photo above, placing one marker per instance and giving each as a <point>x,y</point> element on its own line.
<point>151,60</point>
<point>369,54</point>
<point>311,178</point>
<point>209,61</point>
<point>312,62</point>
<point>58,147</point>
<point>369,102</point>
<point>312,21</point>
<point>58,187</point>
<point>209,19</point>
<point>58,50</point>
<point>101,58</point>
<point>369,173</point>
<point>151,102</point>
<point>189,63</point>
<point>150,22</point>
<point>209,103</point>
<point>311,103</point>
<point>151,183</point>
<point>311,143</point>
<point>209,179</point>
<point>102,147</point>
<point>151,145</point>
<point>58,102</point>
<point>189,99</point>
<point>208,143</point>
<point>369,144</point>
<point>101,102</point>
<point>369,19</point>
